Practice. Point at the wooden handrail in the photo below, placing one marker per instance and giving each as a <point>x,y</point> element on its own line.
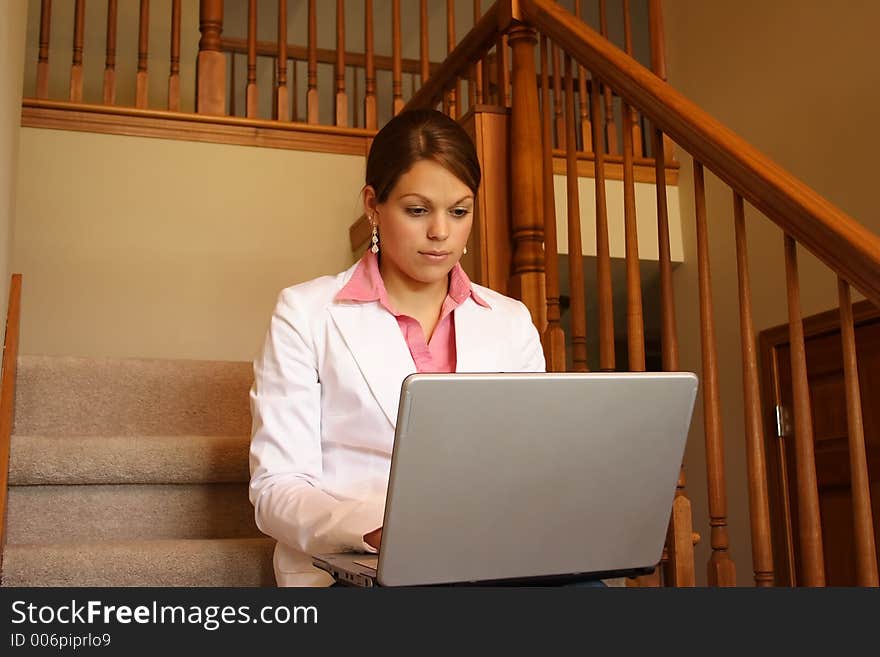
<point>834,237</point>
<point>468,51</point>
<point>7,396</point>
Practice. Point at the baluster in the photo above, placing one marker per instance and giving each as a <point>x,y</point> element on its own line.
<point>397,63</point>
<point>312,93</point>
<point>355,90</point>
<point>603,251</point>
<point>634,318</point>
<point>636,129</point>
<point>557,98</point>
<point>76,70</point>
<point>486,66</point>
<point>292,86</point>
<point>759,505</point>
<point>863,523</point>
<point>722,571</point>
<point>341,98</point>
<point>211,73</point>
<point>809,523</point>
<point>679,538</point>
<point>504,72</point>
<point>527,230</point>
<point>174,75</point>
<point>610,128</point>
<point>583,99</point>
<point>232,58</point>
<point>658,60</point>
<point>281,104</point>
<point>575,248</point>
<point>43,56</point>
<point>453,95</point>
<point>110,60</point>
<point>251,94</point>
<point>478,68</point>
<point>423,40</point>
<point>370,118</point>
<point>142,88</point>
<point>554,337</point>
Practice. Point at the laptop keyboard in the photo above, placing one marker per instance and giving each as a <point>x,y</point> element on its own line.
<point>368,562</point>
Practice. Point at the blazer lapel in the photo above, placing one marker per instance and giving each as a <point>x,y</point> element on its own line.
<point>374,338</point>
<point>476,343</point>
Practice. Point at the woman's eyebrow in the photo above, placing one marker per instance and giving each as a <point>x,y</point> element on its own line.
<point>468,197</point>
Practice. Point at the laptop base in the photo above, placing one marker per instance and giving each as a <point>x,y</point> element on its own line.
<point>347,572</point>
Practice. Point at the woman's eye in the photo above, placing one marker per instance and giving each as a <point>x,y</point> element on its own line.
<point>416,211</point>
<point>460,212</point>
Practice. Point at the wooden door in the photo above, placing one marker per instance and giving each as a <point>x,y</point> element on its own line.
<point>828,401</point>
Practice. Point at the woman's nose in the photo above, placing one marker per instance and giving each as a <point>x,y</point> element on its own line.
<point>438,229</point>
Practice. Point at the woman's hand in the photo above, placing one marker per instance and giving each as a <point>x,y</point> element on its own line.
<point>374,538</point>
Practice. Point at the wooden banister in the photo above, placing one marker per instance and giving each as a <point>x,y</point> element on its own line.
<point>142,81</point>
<point>76,68</point>
<point>759,504</point>
<point>42,90</point>
<point>211,63</point>
<point>251,92</point>
<point>174,74</point>
<point>554,336</point>
<point>575,244</point>
<point>722,571</point>
<point>809,520</point>
<point>834,237</point>
<point>7,396</point>
<point>110,58</point>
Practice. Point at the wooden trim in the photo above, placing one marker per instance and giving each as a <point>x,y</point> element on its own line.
<point>134,122</point>
<point>7,396</point>
<point>848,247</point>
<point>644,168</point>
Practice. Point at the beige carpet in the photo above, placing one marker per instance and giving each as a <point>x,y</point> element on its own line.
<point>132,473</point>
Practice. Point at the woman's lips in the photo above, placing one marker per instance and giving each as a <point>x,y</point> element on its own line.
<point>435,256</point>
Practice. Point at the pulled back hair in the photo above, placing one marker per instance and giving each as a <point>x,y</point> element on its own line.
<point>422,134</point>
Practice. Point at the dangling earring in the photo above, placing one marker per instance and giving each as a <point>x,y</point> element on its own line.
<point>374,238</point>
<point>464,250</point>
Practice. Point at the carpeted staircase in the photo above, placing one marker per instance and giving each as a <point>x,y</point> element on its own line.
<point>132,473</point>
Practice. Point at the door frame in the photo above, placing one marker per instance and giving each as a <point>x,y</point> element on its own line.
<point>769,340</point>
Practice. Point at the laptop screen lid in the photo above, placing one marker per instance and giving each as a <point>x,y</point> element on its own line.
<point>521,475</point>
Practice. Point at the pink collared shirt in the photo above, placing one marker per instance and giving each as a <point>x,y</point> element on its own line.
<point>436,355</point>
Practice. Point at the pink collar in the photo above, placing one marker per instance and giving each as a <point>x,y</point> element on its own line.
<point>366,284</point>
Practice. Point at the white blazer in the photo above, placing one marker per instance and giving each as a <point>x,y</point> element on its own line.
<point>324,407</point>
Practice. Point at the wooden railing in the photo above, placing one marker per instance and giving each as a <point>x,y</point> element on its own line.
<point>7,396</point>
<point>849,250</point>
<point>233,77</point>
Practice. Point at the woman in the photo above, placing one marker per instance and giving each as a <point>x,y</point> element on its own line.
<point>327,383</point>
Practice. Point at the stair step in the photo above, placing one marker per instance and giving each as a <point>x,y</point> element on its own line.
<point>64,396</point>
<point>69,514</point>
<point>208,562</point>
<point>128,459</point>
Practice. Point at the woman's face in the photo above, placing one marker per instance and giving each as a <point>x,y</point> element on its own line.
<point>424,223</point>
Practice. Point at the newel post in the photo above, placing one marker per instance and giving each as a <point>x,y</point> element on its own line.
<point>526,185</point>
<point>211,71</point>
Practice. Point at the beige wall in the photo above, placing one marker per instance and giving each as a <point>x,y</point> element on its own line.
<point>157,248</point>
<point>12,22</point>
<point>798,79</point>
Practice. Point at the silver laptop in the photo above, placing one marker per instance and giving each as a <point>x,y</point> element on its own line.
<point>527,478</point>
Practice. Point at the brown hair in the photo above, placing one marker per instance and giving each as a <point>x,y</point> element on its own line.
<point>414,135</point>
